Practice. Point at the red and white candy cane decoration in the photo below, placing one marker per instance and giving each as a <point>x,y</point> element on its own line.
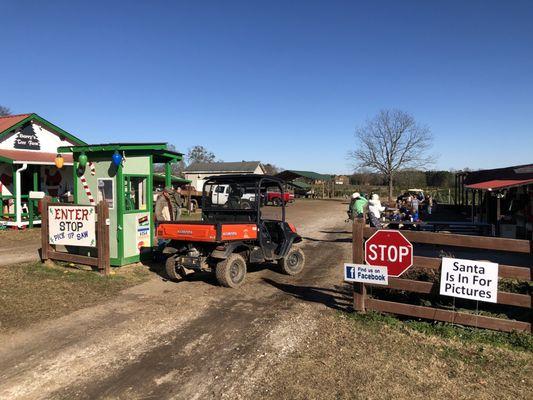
<point>92,168</point>
<point>87,190</point>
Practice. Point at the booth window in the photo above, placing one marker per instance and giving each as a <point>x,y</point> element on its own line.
<point>135,193</point>
<point>106,192</point>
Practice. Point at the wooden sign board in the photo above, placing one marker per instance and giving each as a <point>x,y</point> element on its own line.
<point>72,225</point>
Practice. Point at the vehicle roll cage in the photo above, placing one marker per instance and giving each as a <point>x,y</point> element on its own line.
<point>251,180</point>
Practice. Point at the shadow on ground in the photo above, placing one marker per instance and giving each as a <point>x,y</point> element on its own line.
<point>338,240</point>
<point>337,298</point>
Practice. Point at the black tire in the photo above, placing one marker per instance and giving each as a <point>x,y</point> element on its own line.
<point>293,263</point>
<point>231,272</point>
<point>173,272</point>
<point>276,201</point>
<point>246,205</point>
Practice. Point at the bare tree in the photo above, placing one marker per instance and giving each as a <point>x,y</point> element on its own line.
<point>272,169</point>
<point>4,111</point>
<point>200,154</point>
<point>390,142</point>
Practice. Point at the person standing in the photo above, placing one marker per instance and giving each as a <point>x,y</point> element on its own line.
<point>176,200</point>
<point>359,205</point>
<point>163,207</point>
<point>374,211</point>
<point>429,203</point>
<point>414,204</point>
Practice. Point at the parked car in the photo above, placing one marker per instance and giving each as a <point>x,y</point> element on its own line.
<point>276,198</point>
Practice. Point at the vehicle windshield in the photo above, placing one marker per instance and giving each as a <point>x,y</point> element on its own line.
<point>238,199</point>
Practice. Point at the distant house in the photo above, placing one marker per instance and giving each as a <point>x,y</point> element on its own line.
<point>198,172</point>
<point>342,180</point>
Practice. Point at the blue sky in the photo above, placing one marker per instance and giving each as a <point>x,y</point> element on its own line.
<point>284,82</point>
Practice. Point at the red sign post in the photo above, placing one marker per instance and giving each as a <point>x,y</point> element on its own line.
<point>388,248</point>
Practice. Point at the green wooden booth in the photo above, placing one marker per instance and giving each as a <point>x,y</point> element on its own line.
<point>122,174</point>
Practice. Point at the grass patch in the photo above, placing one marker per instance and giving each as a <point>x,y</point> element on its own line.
<point>515,340</point>
<point>33,292</point>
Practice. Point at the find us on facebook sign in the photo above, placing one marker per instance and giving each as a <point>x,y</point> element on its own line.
<point>363,273</point>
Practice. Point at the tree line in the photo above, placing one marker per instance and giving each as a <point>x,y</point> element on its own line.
<point>407,179</point>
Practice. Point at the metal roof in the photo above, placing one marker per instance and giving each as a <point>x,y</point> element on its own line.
<point>31,157</point>
<point>519,172</point>
<point>227,167</point>
<point>10,120</point>
<point>290,175</point>
<point>499,184</point>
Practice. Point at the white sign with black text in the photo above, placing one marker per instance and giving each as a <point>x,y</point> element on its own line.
<point>469,279</point>
<point>363,273</point>
<point>72,225</point>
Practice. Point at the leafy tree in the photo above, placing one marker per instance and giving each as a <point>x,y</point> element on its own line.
<point>200,154</point>
<point>390,142</point>
<point>4,111</point>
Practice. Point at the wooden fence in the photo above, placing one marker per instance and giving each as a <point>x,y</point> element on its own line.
<point>101,261</point>
<point>363,302</point>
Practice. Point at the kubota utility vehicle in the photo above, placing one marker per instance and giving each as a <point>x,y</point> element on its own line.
<point>232,233</point>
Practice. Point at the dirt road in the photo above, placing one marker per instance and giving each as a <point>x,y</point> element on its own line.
<point>187,340</point>
<point>19,246</point>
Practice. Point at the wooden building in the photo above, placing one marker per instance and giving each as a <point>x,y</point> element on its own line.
<point>28,171</point>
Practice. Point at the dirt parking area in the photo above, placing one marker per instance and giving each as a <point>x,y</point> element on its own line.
<point>277,337</point>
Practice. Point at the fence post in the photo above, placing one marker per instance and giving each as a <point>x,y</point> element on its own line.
<point>102,238</point>
<point>359,289</point>
<point>45,245</point>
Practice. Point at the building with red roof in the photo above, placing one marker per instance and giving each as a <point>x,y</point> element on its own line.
<point>501,196</point>
<point>28,149</point>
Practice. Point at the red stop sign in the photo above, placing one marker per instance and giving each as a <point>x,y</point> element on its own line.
<point>387,248</point>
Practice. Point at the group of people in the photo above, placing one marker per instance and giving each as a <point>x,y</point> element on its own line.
<point>408,208</point>
<point>360,206</point>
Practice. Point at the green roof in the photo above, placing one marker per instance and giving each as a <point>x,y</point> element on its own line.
<point>300,185</point>
<point>159,151</point>
<point>175,179</point>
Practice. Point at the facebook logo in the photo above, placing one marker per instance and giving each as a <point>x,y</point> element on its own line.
<point>349,272</point>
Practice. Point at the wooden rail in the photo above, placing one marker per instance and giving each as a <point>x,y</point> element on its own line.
<point>362,302</point>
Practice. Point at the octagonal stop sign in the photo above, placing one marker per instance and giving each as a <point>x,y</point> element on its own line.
<point>388,248</point>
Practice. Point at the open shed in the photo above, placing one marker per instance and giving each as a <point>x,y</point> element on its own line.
<point>308,183</point>
<point>503,197</point>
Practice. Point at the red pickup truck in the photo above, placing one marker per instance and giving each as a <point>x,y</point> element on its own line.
<point>276,199</point>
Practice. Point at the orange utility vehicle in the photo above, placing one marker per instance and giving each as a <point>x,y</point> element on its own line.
<point>232,232</point>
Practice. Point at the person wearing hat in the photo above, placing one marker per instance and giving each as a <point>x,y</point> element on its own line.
<point>357,205</point>
<point>374,211</point>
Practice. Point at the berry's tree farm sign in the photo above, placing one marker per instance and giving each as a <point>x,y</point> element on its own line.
<point>27,139</point>
<point>72,225</point>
